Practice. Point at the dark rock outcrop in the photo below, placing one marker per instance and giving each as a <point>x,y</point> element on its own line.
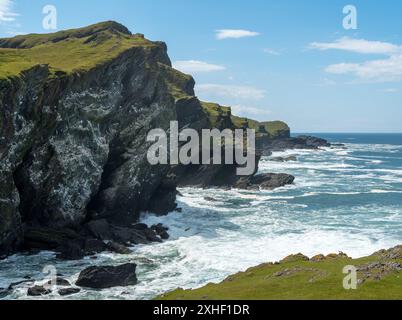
<point>108,277</point>
<point>73,145</point>
<point>68,291</point>
<point>284,159</point>
<point>266,145</point>
<point>38,291</point>
<point>118,248</point>
<point>161,231</point>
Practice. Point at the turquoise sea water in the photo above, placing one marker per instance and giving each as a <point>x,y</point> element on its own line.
<point>344,199</point>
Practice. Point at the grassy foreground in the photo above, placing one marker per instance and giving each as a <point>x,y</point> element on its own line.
<point>298,277</point>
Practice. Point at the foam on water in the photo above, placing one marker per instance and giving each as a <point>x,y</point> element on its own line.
<point>342,200</point>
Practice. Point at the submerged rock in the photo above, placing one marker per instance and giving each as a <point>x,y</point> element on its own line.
<point>108,276</point>
<point>284,159</point>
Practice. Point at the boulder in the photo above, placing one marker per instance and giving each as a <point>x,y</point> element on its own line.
<point>118,248</point>
<point>61,282</point>
<point>38,291</point>
<point>108,276</point>
<point>267,181</point>
<point>295,258</point>
<point>68,291</point>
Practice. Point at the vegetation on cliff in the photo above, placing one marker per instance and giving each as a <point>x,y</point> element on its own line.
<point>222,117</point>
<point>298,277</point>
<point>69,50</point>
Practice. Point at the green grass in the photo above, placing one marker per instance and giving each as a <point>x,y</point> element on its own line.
<point>216,113</point>
<point>67,51</point>
<point>305,280</point>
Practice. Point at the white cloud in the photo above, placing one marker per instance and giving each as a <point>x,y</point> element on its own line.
<point>234,34</point>
<point>245,111</point>
<point>271,51</point>
<point>384,70</point>
<point>230,91</point>
<point>195,66</point>
<point>380,70</point>
<point>6,11</point>
<point>358,46</point>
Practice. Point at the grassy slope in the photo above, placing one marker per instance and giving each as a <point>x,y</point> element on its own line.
<point>215,112</point>
<point>301,280</point>
<point>67,51</point>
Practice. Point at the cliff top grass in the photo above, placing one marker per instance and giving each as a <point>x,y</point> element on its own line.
<point>300,278</point>
<point>67,51</point>
<point>217,112</point>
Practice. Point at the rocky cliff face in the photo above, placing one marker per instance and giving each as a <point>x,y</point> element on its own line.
<point>76,107</point>
<point>73,144</point>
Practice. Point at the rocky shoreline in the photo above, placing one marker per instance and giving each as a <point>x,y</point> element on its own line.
<point>73,145</point>
<point>74,177</point>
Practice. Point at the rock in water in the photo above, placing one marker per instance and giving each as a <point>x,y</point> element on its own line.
<point>108,276</point>
<point>68,291</point>
<point>118,248</point>
<point>38,291</point>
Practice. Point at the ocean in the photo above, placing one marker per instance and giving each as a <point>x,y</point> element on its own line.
<point>345,199</point>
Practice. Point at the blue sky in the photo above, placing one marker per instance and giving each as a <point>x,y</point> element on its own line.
<point>287,59</point>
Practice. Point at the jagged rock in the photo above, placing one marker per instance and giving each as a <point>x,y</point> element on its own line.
<point>49,238</point>
<point>60,282</point>
<point>75,142</point>
<point>339,255</point>
<point>266,144</point>
<point>163,200</point>
<point>93,246</point>
<point>108,276</point>
<point>378,270</point>
<point>38,291</point>
<point>118,248</point>
<point>267,181</point>
<point>294,258</point>
<point>68,291</point>
<point>318,258</point>
<point>100,229</point>
<point>71,251</point>
<point>161,231</point>
<point>393,253</point>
